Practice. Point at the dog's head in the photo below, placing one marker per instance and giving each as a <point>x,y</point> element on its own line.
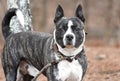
<point>69,32</point>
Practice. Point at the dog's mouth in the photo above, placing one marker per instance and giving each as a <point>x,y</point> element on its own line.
<point>69,46</point>
<point>69,43</point>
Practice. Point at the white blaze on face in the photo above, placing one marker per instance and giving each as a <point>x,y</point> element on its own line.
<point>69,32</point>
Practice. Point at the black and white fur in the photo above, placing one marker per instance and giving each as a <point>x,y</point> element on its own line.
<point>69,33</point>
<point>37,48</point>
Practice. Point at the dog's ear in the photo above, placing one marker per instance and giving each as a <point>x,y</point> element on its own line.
<point>59,14</point>
<point>79,13</point>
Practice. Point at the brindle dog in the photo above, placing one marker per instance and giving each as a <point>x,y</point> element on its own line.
<point>38,48</point>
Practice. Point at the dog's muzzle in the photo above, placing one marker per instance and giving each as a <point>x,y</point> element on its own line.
<point>69,40</point>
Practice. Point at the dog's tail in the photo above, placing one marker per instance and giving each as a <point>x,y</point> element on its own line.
<point>7,18</point>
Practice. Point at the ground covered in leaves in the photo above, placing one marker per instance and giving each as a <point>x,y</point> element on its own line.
<point>103,64</point>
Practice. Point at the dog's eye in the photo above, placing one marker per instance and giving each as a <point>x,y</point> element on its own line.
<point>77,29</point>
<point>73,26</point>
<point>65,27</point>
<point>60,29</point>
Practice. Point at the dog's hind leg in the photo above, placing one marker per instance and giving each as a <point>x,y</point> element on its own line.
<point>9,70</point>
<point>11,75</point>
<point>25,71</point>
<point>22,71</point>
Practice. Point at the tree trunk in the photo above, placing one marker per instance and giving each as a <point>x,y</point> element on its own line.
<point>23,5</point>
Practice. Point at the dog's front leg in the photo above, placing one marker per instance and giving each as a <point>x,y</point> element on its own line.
<point>49,74</point>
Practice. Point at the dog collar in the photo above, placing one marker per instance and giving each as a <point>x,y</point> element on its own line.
<point>63,57</point>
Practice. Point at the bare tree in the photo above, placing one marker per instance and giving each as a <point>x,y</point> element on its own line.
<point>23,5</point>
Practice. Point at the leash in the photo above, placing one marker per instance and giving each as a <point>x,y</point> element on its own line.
<point>46,67</point>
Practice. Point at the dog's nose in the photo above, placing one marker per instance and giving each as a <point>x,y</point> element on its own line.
<point>69,37</point>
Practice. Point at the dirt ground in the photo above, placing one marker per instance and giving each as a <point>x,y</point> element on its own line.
<point>103,64</point>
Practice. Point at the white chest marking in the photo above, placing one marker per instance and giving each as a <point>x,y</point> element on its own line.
<point>69,71</point>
